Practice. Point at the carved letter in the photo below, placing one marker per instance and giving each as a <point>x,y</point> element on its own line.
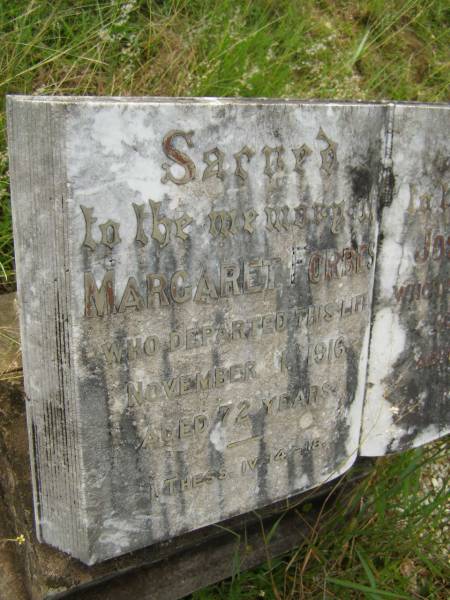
<point>314,268</point>
<point>131,297</point>
<point>229,274</point>
<point>245,151</point>
<point>112,352</point>
<point>162,238</point>
<point>268,151</point>
<point>179,293</point>
<point>438,248</point>
<point>251,277</point>
<point>222,222</point>
<point>301,218</point>
<point>110,233</point>
<point>301,154</point>
<point>178,157</point>
<point>156,289</point>
<point>141,237</point>
<point>277,218</point>
<point>338,216</point>
<point>205,289</point>
<point>426,249</point>
<point>99,302</point>
<point>90,220</point>
<point>249,216</point>
<point>215,167</point>
<point>180,223</point>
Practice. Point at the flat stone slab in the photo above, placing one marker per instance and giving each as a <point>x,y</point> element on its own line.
<point>407,401</point>
<point>195,279</point>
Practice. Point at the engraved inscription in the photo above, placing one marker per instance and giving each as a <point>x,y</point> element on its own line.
<point>331,264</point>
<point>231,279</point>
<point>237,331</point>
<point>195,382</point>
<point>214,158</point>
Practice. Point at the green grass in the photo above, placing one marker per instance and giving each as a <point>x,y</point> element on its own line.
<point>387,541</point>
<point>339,49</point>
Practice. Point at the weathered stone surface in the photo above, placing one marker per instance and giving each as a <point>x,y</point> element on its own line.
<point>173,569</point>
<point>407,401</point>
<point>195,280</point>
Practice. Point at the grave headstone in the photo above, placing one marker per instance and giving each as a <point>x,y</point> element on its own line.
<point>195,279</point>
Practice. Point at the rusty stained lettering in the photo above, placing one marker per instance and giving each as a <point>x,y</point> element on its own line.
<point>162,226</point>
<point>179,290</point>
<point>141,236</point>
<point>229,274</point>
<point>99,302</point>
<point>110,233</point>
<point>206,289</point>
<point>109,230</point>
<point>416,291</point>
<point>225,223</point>
<point>332,264</point>
<point>277,218</point>
<point>249,218</point>
<point>436,247</point>
<point>178,157</point>
<point>131,297</point>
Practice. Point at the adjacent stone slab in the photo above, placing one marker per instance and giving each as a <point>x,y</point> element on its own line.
<point>407,402</point>
<point>195,280</point>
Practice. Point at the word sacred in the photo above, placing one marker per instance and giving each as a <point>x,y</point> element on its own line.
<point>214,158</point>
